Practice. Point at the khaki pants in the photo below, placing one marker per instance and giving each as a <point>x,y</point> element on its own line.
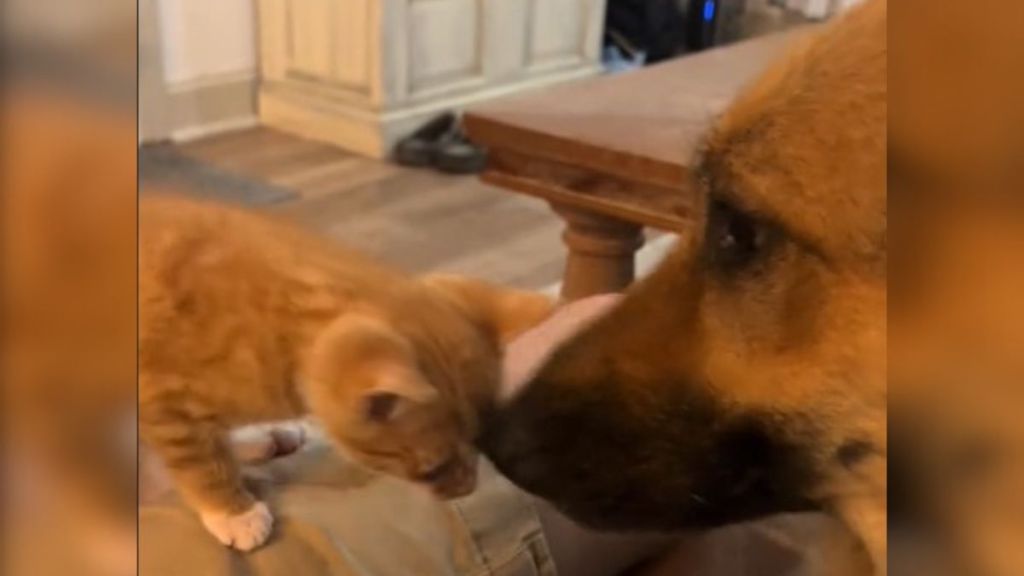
<point>333,519</point>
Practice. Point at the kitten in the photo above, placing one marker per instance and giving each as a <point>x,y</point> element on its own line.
<point>244,319</point>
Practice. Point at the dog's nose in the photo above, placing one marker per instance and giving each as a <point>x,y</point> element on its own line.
<point>512,446</point>
<point>492,440</point>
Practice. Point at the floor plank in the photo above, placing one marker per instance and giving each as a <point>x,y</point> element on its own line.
<point>418,220</point>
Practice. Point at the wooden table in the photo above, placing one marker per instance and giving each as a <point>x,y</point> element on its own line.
<point>612,154</point>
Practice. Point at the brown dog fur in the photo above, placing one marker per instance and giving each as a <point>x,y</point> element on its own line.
<point>747,375</point>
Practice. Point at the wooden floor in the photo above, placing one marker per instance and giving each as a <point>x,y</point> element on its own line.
<point>418,220</point>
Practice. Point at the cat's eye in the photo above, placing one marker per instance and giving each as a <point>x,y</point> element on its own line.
<point>380,406</point>
<point>734,239</point>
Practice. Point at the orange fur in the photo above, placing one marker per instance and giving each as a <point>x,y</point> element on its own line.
<point>746,376</point>
<point>246,319</point>
<point>68,316</point>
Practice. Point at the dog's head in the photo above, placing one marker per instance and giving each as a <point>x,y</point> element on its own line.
<point>745,376</point>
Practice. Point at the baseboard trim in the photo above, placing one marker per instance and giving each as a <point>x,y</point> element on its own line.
<point>211,106</point>
<point>322,120</point>
<point>210,129</point>
<point>211,81</point>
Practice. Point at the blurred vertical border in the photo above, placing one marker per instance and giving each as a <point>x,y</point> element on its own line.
<point>956,287</point>
<point>68,141</point>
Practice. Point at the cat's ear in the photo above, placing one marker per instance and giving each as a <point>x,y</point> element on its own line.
<point>390,388</point>
<point>505,313</point>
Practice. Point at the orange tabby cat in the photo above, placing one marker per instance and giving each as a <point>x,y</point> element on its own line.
<point>245,319</point>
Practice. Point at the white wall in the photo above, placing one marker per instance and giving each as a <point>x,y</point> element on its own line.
<point>204,40</point>
<point>819,9</point>
<point>810,8</point>
<point>845,4</point>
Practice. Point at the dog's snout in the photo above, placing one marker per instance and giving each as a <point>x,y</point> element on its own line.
<point>512,445</point>
<point>501,439</point>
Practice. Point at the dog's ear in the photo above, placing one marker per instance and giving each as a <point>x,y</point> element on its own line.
<point>503,312</point>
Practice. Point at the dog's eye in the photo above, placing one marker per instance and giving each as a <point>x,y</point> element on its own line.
<point>734,238</point>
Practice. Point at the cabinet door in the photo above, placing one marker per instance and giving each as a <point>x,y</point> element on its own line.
<point>325,45</point>
<point>454,46</point>
<point>445,45</point>
<point>506,30</point>
<point>563,33</point>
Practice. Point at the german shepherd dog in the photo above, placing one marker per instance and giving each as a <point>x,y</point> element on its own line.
<point>746,376</point>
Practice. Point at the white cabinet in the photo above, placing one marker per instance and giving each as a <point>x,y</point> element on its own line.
<point>363,73</point>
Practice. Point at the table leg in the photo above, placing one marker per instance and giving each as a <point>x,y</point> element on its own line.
<point>601,251</point>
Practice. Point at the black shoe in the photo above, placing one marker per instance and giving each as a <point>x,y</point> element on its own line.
<point>456,154</point>
<point>418,148</point>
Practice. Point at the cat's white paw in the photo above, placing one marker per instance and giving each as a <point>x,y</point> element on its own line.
<point>258,444</point>
<point>288,438</point>
<point>243,531</point>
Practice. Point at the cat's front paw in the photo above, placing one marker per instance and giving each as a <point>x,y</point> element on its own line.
<point>243,531</point>
<point>258,444</point>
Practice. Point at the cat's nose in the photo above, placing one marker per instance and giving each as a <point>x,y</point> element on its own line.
<point>451,478</point>
<point>435,472</point>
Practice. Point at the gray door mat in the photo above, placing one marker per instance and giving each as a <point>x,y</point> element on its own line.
<point>164,164</point>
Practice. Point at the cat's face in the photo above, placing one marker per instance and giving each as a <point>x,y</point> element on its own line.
<point>426,438</point>
<point>369,388</point>
<point>402,394</point>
